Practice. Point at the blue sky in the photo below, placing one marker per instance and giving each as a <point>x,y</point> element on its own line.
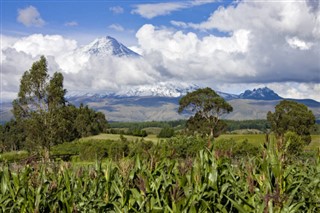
<point>84,20</point>
<point>227,45</point>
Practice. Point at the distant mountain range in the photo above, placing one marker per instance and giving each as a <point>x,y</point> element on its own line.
<point>160,101</point>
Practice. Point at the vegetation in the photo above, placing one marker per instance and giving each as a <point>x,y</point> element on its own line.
<point>292,116</point>
<point>166,132</point>
<point>209,182</point>
<point>208,107</point>
<point>43,118</point>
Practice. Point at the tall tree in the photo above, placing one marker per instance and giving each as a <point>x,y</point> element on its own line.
<point>40,100</point>
<point>294,117</point>
<point>208,107</point>
<point>46,117</point>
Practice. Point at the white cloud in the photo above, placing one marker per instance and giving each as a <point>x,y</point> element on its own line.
<point>116,9</point>
<point>38,44</point>
<point>296,43</point>
<point>80,70</point>
<point>30,16</point>
<point>71,24</point>
<point>189,57</point>
<point>152,10</point>
<point>267,42</point>
<point>297,90</point>
<point>116,27</point>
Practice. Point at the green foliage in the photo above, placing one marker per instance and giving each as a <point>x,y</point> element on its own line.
<point>166,132</point>
<point>42,116</point>
<point>137,132</point>
<point>262,125</point>
<point>14,156</point>
<point>12,136</point>
<point>208,106</point>
<point>228,147</point>
<point>182,146</point>
<point>87,122</point>
<point>206,183</point>
<point>293,143</point>
<point>40,100</point>
<point>292,116</point>
<point>146,124</point>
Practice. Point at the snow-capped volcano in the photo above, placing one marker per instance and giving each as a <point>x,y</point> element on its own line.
<point>107,46</point>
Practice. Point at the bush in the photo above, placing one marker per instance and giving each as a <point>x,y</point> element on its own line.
<point>166,132</point>
<point>230,148</point>
<point>183,147</point>
<point>13,156</point>
<point>294,143</point>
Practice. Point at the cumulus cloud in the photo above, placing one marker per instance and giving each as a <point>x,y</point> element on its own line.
<point>152,10</point>
<point>116,9</point>
<point>116,27</point>
<point>266,42</point>
<point>30,16</point>
<point>82,71</point>
<point>188,57</point>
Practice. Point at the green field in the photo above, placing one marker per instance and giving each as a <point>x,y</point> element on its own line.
<point>115,137</point>
<point>255,139</point>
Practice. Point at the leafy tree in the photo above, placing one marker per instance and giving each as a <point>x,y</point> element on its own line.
<point>13,136</point>
<point>294,117</point>
<point>38,105</point>
<point>208,107</point>
<point>44,114</point>
<point>87,122</point>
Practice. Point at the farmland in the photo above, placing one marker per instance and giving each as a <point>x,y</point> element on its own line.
<point>209,182</point>
<point>166,176</point>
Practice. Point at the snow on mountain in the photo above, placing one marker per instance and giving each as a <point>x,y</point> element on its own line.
<point>227,96</point>
<point>260,94</point>
<point>81,93</point>
<point>162,89</point>
<point>107,46</point>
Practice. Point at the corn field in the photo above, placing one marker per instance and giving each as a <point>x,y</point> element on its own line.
<point>206,183</point>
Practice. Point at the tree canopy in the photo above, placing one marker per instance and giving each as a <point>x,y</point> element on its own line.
<point>294,117</point>
<point>208,107</point>
<point>43,117</point>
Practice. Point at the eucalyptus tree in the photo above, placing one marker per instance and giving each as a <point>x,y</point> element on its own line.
<point>208,107</point>
<point>39,106</point>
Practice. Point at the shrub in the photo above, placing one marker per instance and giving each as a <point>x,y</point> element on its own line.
<point>294,143</point>
<point>166,132</point>
<point>13,156</point>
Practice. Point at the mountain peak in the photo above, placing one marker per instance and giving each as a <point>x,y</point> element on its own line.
<point>260,94</point>
<point>106,46</point>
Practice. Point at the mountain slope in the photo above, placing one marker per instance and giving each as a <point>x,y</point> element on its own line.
<point>260,94</point>
<point>160,102</point>
<point>107,46</point>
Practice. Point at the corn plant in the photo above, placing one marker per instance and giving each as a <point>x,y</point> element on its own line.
<point>208,182</point>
